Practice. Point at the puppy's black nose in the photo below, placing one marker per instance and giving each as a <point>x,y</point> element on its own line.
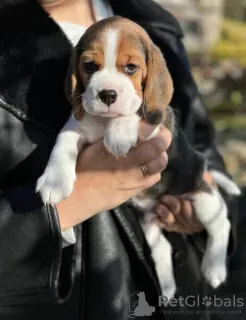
<point>108,96</point>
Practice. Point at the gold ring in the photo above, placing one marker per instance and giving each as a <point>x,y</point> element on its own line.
<point>144,170</point>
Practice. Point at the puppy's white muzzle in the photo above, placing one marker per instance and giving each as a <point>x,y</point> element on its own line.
<point>125,101</point>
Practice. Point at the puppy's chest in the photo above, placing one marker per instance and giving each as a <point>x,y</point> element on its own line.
<point>93,128</point>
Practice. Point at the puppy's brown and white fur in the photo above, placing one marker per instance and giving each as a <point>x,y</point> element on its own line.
<point>117,75</point>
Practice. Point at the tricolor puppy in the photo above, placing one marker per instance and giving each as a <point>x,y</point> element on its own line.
<point>117,75</point>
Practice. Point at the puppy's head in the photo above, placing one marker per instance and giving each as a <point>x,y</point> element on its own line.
<point>117,70</point>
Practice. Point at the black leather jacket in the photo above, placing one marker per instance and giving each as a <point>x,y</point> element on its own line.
<point>111,260</point>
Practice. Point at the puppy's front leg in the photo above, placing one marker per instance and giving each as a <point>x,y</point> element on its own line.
<point>121,134</point>
<point>58,179</point>
<point>212,212</point>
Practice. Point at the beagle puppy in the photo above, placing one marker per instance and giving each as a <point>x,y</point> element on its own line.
<point>116,77</point>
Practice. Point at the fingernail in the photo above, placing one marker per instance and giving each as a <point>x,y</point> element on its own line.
<point>166,134</point>
<point>153,133</point>
<point>146,133</point>
<point>161,211</point>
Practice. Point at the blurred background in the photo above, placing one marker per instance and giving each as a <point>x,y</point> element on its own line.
<point>215,38</point>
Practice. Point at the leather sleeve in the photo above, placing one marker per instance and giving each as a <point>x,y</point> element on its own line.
<point>34,269</point>
<point>31,255</point>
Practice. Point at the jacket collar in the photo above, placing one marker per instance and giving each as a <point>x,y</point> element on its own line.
<point>34,55</point>
<point>147,12</point>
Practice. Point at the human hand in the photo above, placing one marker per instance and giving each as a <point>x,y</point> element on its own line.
<point>104,182</point>
<point>176,213</point>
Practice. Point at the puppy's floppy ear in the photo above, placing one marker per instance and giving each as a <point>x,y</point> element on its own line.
<point>157,87</point>
<point>74,86</point>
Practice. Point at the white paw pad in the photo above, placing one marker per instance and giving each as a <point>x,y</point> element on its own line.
<point>213,271</point>
<point>168,289</point>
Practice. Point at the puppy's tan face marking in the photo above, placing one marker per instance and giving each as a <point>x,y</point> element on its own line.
<point>91,59</point>
<point>109,90</point>
<point>120,69</point>
<point>131,53</point>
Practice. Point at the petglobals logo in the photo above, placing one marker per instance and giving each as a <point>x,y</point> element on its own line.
<point>198,301</point>
<point>138,306</point>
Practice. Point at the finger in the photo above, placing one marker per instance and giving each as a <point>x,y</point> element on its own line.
<point>165,215</point>
<point>175,228</point>
<point>145,130</point>
<point>144,176</point>
<point>186,217</point>
<point>190,217</point>
<point>149,181</point>
<point>136,181</point>
<point>156,165</point>
<point>183,213</point>
<point>168,220</point>
<point>150,173</point>
<point>173,203</point>
<point>149,150</point>
<point>175,206</point>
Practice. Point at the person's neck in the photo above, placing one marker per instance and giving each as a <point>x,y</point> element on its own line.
<point>74,11</point>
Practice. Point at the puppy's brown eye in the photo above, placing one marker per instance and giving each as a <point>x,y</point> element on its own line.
<point>130,68</point>
<point>90,67</point>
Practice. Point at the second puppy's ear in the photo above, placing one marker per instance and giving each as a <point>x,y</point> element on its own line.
<point>73,85</point>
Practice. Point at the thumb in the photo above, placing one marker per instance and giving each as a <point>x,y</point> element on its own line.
<point>146,131</point>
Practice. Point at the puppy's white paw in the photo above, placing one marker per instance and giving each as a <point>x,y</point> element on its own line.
<point>121,135</point>
<point>168,288</point>
<point>212,212</point>
<point>118,143</point>
<point>56,184</point>
<point>214,271</point>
